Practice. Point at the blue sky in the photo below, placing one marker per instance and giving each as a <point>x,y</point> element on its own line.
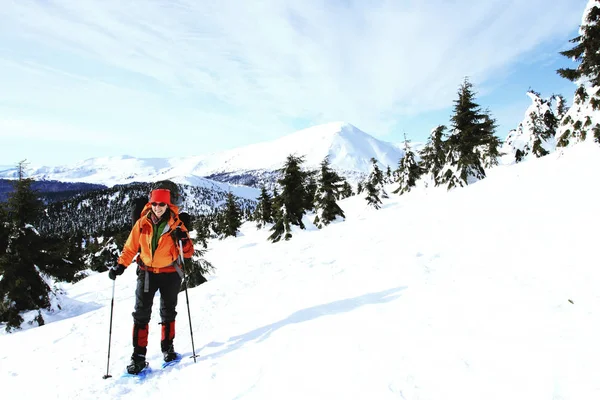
<point>84,79</point>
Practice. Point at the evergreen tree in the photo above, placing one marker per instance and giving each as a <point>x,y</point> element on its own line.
<point>578,121</point>
<point>374,186</point>
<point>585,51</point>
<point>408,171</point>
<point>105,253</point>
<point>197,266</point>
<point>232,216</point>
<point>22,286</point>
<point>328,192</point>
<point>433,154</point>
<point>360,186</point>
<point>489,149</point>
<point>202,228</point>
<point>4,229</point>
<point>472,139</point>
<point>311,189</point>
<point>372,195</point>
<point>388,175</point>
<point>535,135</point>
<point>346,190</point>
<point>292,199</point>
<point>263,214</point>
<point>276,204</point>
<point>561,107</point>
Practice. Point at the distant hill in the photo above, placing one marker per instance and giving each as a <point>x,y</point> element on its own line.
<point>51,191</point>
<point>349,150</point>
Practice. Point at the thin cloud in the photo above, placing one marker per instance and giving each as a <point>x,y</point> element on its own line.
<point>269,62</point>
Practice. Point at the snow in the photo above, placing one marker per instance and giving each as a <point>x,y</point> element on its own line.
<point>484,292</point>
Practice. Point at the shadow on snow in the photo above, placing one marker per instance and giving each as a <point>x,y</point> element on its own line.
<point>307,314</point>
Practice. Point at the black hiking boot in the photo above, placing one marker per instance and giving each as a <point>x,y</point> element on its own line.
<point>137,364</point>
<point>168,351</point>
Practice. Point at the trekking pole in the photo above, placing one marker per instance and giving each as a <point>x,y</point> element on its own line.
<point>187,299</point>
<point>112,304</point>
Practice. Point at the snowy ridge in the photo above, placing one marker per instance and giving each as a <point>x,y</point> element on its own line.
<point>349,149</point>
<point>452,305</point>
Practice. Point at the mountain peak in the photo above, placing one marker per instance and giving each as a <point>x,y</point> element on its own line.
<point>349,150</point>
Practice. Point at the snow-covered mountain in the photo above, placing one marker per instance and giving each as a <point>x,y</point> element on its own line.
<point>349,150</point>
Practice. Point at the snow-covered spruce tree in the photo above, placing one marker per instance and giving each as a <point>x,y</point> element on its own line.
<point>202,227</point>
<point>292,200</point>
<point>586,53</point>
<point>263,214</point>
<point>388,175</point>
<point>535,135</point>
<point>346,189</point>
<point>489,150</point>
<point>583,117</point>
<point>360,186</point>
<point>4,229</point>
<point>433,154</point>
<point>408,171</point>
<point>374,186</point>
<point>232,216</point>
<point>560,108</point>
<point>471,138</point>
<point>23,261</point>
<point>276,203</point>
<point>310,185</point>
<point>328,192</point>
<point>579,121</point>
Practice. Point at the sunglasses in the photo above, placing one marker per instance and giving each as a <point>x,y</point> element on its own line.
<point>158,204</point>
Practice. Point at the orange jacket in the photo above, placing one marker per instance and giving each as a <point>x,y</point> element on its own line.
<point>140,239</point>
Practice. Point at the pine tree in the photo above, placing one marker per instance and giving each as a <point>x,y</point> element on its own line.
<point>346,190</point>
<point>577,123</point>
<point>360,186</point>
<point>197,266</point>
<point>328,192</point>
<point>4,229</point>
<point>561,107</point>
<point>292,199</point>
<point>276,203</point>
<point>202,227</point>
<point>374,186</point>
<point>22,286</point>
<point>408,171</point>
<point>490,144</point>
<point>232,216</point>
<point>388,175</point>
<point>535,135</point>
<point>586,53</point>
<point>433,154</point>
<point>263,213</point>
<point>311,189</point>
<point>472,139</point>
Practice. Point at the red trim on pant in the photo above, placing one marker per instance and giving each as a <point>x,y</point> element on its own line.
<point>168,331</point>
<point>140,335</point>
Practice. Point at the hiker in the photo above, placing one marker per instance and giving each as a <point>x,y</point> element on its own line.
<point>156,236</point>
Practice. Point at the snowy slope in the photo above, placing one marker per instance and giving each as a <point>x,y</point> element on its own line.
<point>349,149</point>
<point>485,292</point>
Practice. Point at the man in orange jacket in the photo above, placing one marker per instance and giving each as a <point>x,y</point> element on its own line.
<point>155,236</point>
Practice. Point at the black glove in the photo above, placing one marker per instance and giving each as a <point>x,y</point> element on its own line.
<point>118,270</point>
<point>177,234</point>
